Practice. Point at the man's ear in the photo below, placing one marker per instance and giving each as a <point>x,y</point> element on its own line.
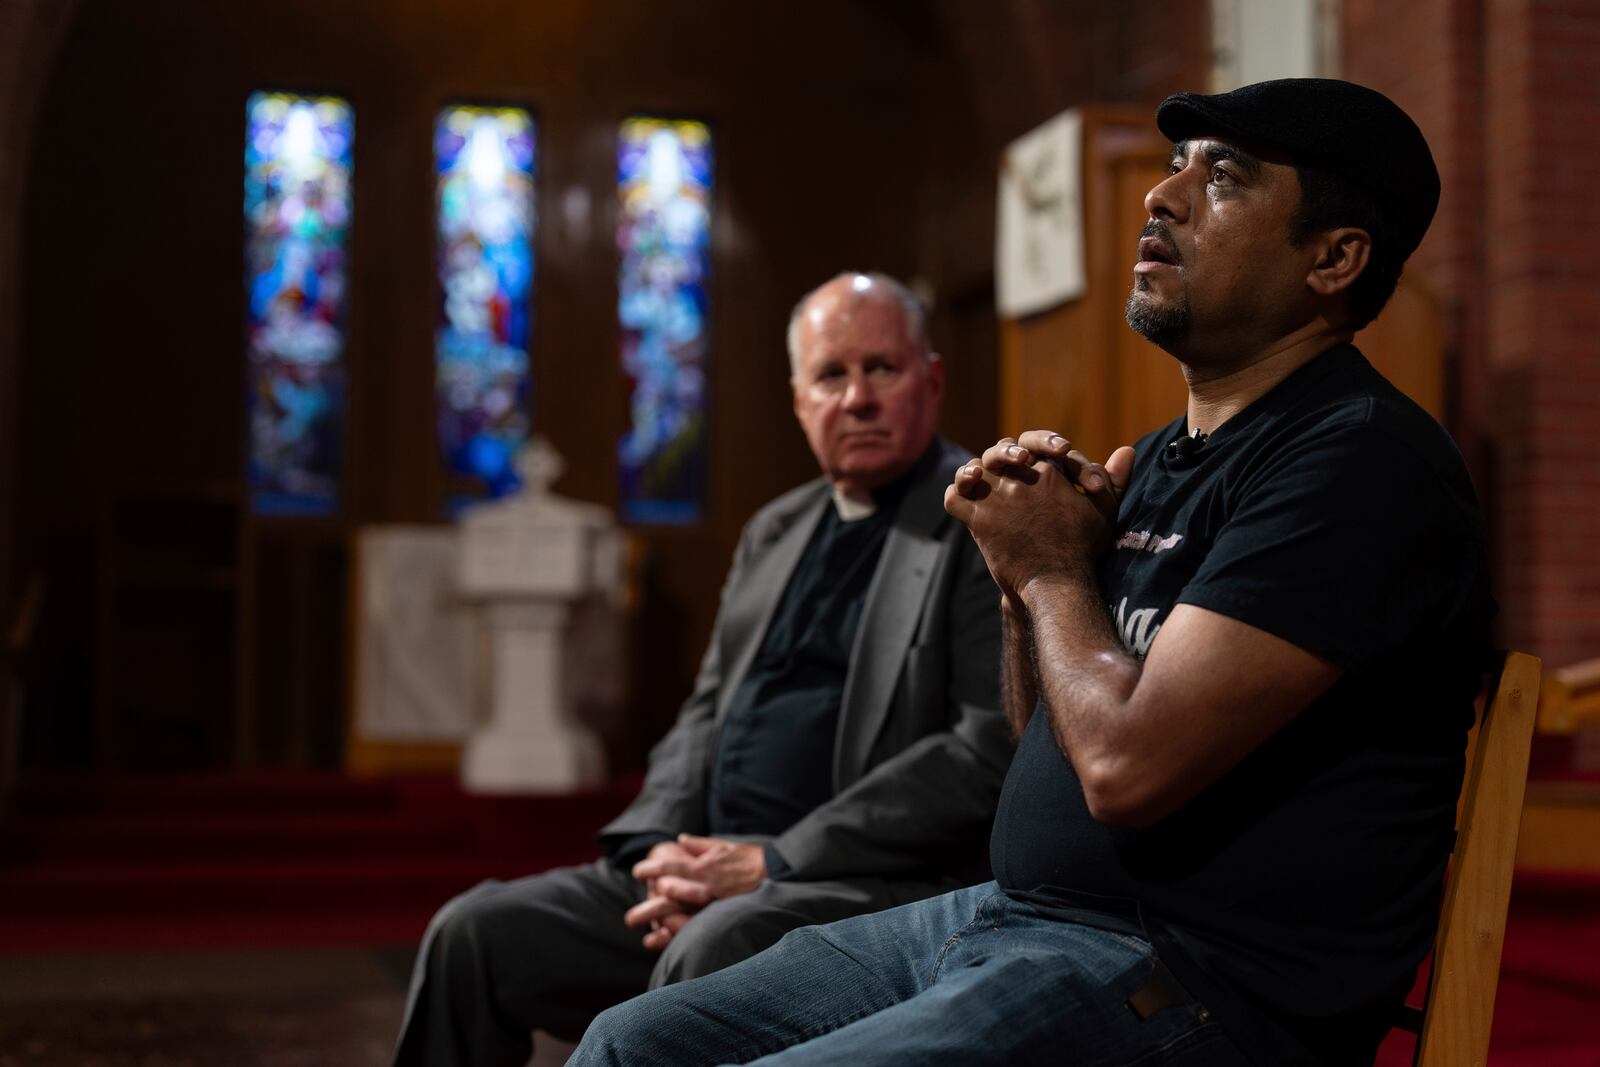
<point>1342,255</point>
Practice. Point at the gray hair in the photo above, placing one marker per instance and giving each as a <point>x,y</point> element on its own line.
<point>865,284</point>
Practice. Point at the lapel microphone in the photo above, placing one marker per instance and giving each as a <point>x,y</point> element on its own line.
<point>1184,447</point>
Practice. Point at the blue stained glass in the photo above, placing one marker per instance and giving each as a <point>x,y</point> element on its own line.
<point>663,236</point>
<point>297,207</point>
<point>485,160</point>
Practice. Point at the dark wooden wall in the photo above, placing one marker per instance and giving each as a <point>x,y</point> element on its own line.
<point>850,133</point>
<point>30,32</point>
<point>131,366</point>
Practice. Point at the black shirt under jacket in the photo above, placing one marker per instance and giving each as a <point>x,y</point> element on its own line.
<point>773,763</point>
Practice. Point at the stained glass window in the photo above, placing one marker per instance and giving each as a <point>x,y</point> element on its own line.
<point>664,188</point>
<point>297,206</point>
<point>484,160</point>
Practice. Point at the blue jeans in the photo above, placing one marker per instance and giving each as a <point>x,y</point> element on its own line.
<point>972,977</point>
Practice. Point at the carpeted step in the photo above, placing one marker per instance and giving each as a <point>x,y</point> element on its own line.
<point>41,934</point>
<point>295,816</point>
<point>161,836</point>
<point>532,828</point>
<point>265,792</point>
<point>230,887</point>
<point>222,859</point>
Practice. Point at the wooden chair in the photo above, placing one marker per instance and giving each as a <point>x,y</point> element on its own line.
<point>1453,1025</point>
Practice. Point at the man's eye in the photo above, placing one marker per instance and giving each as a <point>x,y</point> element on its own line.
<point>1220,175</point>
<point>1173,168</point>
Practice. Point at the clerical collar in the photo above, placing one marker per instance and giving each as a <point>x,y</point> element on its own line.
<point>888,497</point>
<point>851,508</point>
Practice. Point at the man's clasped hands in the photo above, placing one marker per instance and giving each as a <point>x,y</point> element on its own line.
<point>1038,508</point>
<point>685,875</point>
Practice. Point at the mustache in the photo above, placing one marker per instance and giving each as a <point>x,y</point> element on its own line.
<point>1158,229</point>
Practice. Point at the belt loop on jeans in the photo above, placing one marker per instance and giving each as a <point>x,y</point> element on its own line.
<point>1160,990</point>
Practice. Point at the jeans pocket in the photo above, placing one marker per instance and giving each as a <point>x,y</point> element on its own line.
<point>1137,944</point>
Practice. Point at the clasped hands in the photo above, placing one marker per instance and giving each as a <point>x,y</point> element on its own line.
<point>1038,507</point>
<point>1035,506</point>
<point>685,875</point>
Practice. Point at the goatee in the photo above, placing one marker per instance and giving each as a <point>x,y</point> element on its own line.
<point>1155,324</point>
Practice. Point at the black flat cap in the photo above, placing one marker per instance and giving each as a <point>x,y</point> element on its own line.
<point>1350,130</point>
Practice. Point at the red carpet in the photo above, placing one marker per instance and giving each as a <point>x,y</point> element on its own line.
<point>281,859</point>
<point>285,859</point>
<point>1547,1008</point>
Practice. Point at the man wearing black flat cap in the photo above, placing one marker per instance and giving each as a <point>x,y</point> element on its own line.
<point>1245,650</point>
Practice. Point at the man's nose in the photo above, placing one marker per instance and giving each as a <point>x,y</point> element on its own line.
<point>859,394</point>
<point>1166,201</point>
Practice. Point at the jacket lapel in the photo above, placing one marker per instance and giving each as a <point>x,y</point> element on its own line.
<point>888,623</point>
<point>756,598</point>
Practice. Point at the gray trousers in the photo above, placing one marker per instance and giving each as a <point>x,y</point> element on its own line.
<point>550,952</point>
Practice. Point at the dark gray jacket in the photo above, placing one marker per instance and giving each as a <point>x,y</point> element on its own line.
<point>922,746</point>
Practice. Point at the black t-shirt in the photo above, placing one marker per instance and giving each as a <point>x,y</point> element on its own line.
<point>1296,895</point>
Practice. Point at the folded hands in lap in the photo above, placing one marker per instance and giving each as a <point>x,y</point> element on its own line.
<point>685,875</point>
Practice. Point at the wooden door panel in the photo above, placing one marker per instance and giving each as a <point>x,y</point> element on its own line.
<point>1077,368</point>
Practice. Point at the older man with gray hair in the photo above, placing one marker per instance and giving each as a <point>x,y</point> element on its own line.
<point>842,750</point>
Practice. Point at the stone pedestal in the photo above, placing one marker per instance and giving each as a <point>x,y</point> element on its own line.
<point>529,743</point>
<point>525,563</point>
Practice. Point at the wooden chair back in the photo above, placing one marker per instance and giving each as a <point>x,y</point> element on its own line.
<point>1453,1026</point>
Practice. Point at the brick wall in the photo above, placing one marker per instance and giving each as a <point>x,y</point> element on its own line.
<point>1544,273</point>
<point>1508,94</point>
